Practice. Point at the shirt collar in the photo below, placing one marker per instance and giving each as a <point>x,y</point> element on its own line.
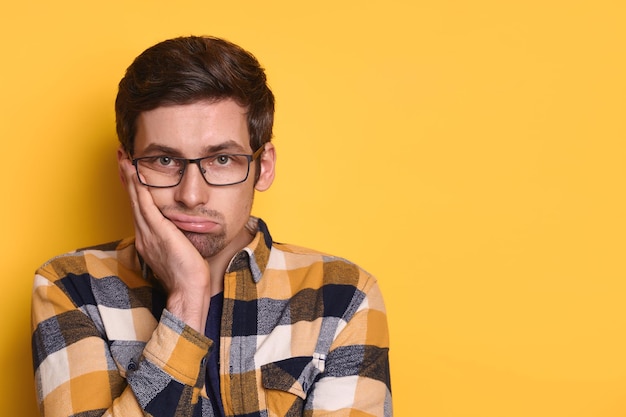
<point>256,255</point>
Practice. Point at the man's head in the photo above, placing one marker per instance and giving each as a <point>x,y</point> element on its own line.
<point>191,115</point>
<point>191,69</point>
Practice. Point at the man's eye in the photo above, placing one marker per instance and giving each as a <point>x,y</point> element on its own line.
<point>222,159</point>
<point>161,162</point>
<point>164,161</point>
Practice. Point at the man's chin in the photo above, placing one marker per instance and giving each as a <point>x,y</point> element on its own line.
<point>208,245</point>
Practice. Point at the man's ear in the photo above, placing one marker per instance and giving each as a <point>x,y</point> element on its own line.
<point>121,156</point>
<point>267,165</point>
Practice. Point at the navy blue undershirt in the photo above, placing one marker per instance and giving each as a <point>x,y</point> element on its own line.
<point>212,331</point>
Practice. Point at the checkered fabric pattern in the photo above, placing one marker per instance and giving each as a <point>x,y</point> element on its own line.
<point>302,334</point>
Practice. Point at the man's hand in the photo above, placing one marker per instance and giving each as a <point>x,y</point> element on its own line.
<point>177,264</point>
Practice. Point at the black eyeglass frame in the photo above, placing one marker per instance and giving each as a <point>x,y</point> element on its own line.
<point>197,162</point>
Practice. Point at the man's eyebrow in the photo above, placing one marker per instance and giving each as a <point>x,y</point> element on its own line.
<point>227,146</point>
<point>154,148</point>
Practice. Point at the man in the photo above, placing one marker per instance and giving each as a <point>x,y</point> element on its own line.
<point>202,313</point>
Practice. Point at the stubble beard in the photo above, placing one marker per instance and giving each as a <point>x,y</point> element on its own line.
<point>208,245</point>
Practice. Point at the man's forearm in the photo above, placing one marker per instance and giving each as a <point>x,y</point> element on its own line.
<point>79,369</point>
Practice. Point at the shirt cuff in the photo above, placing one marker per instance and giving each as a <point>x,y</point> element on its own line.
<point>178,349</point>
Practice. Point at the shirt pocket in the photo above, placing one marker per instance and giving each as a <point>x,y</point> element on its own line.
<point>127,354</point>
<point>287,382</point>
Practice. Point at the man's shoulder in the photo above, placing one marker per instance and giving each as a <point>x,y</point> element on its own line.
<point>114,246</point>
<point>90,259</point>
<point>305,254</point>
<point>333,268</point>
<point>298,250</point>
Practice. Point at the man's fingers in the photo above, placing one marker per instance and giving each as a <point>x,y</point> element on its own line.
<point>133,186</point>
<point>141,200</point>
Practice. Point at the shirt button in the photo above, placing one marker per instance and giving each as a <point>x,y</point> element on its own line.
<point>132,366</point>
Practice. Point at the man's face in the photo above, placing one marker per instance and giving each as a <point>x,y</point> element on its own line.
<point>212,217</point>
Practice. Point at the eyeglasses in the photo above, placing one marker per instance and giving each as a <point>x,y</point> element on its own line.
<point>164,171</point>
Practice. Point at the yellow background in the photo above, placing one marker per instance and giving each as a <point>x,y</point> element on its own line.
<point>468,153</point>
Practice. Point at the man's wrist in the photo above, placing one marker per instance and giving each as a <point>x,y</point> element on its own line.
<point>192,310</point>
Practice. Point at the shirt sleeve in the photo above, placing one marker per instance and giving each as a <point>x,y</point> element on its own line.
<point>356,378</point>
<point>76,372</point>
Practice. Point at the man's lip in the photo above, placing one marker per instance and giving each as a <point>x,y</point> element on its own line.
<point>193,223</point>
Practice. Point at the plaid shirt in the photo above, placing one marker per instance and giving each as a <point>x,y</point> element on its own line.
<point>302,334</point>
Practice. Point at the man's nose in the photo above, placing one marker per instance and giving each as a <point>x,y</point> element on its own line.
<point>193,190</point>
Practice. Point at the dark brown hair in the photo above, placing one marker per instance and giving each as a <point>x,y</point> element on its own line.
<point>190,69</point>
